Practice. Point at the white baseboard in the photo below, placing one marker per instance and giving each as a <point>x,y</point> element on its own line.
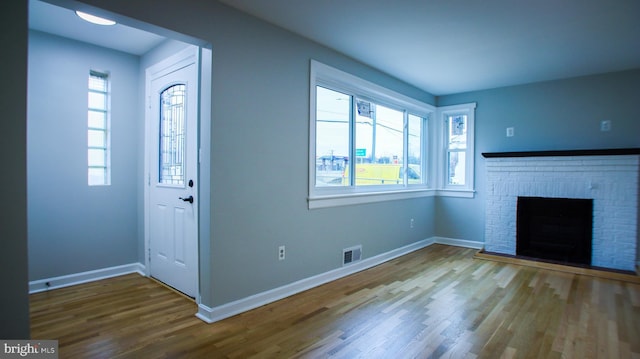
<point>215,314</point>
<point>210,315</point>
<point>459,242</point>
<point>40,285</point>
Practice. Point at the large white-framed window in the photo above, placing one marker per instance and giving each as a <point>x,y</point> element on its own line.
<point>456,158</point>
<point>98,136</point>
<point>367,143</point>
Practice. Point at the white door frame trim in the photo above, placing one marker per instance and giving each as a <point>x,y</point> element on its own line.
<point>181,59</point>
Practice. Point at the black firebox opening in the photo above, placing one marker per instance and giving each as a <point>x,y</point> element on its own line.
<point>556,229</point>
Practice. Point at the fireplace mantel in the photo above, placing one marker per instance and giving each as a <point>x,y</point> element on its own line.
<point>565,153</point>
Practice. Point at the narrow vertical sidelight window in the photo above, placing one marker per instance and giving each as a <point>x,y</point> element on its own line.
<point>98,139</point>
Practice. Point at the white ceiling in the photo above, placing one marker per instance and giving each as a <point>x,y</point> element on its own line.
<point>439,46</point>
<point>63,22</point>
<point>453,46</point>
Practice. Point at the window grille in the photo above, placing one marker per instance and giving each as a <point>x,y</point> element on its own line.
<point>98,130</point>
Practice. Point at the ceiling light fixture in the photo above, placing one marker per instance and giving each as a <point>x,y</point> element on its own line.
<point>94,19</point>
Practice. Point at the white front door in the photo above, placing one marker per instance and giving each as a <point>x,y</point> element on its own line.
<point>172,148</point>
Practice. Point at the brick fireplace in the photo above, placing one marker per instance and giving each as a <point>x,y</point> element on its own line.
<point>610,178</point>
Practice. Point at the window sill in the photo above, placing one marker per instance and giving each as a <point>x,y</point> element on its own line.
<point>336,200</point>
<point>460,193</point>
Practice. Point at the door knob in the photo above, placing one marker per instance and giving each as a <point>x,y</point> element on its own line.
<point>188,199</point>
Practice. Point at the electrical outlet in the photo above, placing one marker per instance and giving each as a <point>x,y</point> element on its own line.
<point>510,131</point>
<point>411,223</point>
<point>605,125</point>
<point>281,253</point>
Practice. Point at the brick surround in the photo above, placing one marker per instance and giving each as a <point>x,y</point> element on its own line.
<point>612,181</point>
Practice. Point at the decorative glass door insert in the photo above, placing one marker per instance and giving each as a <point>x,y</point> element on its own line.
<point>172,135</point>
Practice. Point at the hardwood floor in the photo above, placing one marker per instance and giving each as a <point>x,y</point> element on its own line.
<point>438,302</point>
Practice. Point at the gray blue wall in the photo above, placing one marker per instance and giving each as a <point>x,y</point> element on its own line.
<point>260,151</point>
<point>74,227</point>
<point>14,300</point>
<point>554,115</point>
<point>260,159</point>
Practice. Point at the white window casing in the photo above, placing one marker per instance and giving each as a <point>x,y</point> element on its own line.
<point>445,188</point>
<point>98,130</point>
<point>431,164</point>
<point>364,91</point>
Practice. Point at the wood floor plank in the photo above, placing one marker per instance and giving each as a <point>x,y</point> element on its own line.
<point>438,302</point>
